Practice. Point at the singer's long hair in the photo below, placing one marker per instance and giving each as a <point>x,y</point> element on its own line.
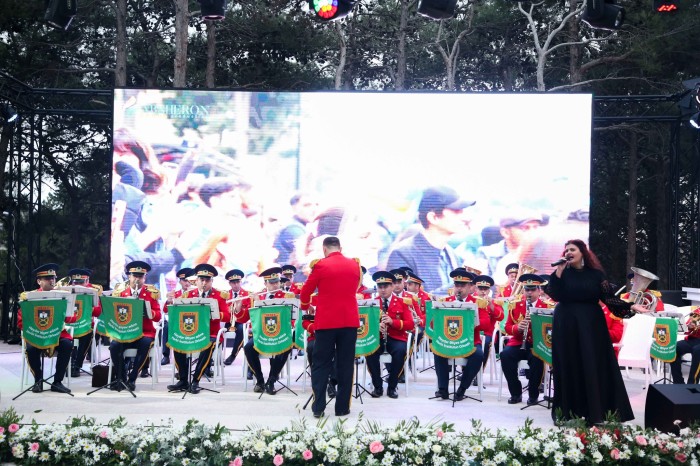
<point>589,258</point>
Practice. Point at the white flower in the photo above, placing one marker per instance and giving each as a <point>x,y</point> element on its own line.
<point>437,448</point>
<point>155,456</point>
<point>500,457</point>
<point>334,442</point>
<point>394,436</point>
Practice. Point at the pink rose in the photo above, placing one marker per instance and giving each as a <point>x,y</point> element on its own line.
<point>2,430</point>
<point>13,428</point>
<point>615,454</point>
<point>439,434</point>
<point>641,440</point>
<point>34,446</point>
<point>278,460</point>
<point>680,457</point>
<point>307,455</point>
<point>680,444</point>
<point>238,461</point>
<point>103,434</point>
<point>376,447</point>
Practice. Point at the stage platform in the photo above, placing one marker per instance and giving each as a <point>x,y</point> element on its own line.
<point>236,408</point>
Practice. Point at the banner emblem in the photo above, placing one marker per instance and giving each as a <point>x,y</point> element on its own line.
<point>661,333</point>
<point>78,309</point>
<point>547,334</point>
<point>454,327</point>
<point>189,323</point>
<point>122,313</point>
<point>363,329</point>
<point>43,317</point>
<point>271,325</point>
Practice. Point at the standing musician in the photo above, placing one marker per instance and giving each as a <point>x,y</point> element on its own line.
<point>519,322</point>
<point>308,324</point>
<point>288,272</point>
<point>463,282</point>
<point>691,345</point>
<point>273,291</point>
<point>185,284</point>
<point>396,320</point>
<point>81,277</point>
<point>46,279</point>
<point>506,290</point>
<point>205,274</point>
<point>492,311</point>
<point>136,287</point>
<point>240,307</point>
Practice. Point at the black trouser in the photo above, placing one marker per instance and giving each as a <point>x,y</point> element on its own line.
<point>116,352</point>
<point>397,349</point>
<point>166,348</point>
<point>470,370</point>
<point>684,347</point>
<point>333,345</point>
<point>202,362</point>
<point>510,356</point>
<point>332,378</point>
<point>63,351</point>
<point>84,344</point>
<point>237,341</point>
<point>276,363</point>
<point>487,348</point>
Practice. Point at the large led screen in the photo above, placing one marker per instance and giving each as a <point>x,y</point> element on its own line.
<point>432,181</point>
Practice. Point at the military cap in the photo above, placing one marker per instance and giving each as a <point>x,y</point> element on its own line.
<point>483,280</point>
<point>79,275</point>
<point>412,277</point>
<point>545,279</point>
<point>182,274</point>
<point>399,273</point>
<point>137,268</point>
<point>530,279</point>
<point>383,276</point>
<point>288,268</point>
<point>514,267</point>
<point>234,274</point>
<point>284,279</point>
<point>46,270</point>
<point>272,274</point>
<point>460,275</point>
<point>364,269</point>
<point>205,271</point>
<point>406,268</point>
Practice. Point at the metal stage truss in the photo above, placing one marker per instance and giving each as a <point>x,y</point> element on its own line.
<point>22,195</point>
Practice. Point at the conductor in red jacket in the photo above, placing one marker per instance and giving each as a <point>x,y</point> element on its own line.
<point>336,278</point>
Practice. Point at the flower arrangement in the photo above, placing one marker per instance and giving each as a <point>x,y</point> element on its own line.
<point>84,442</point>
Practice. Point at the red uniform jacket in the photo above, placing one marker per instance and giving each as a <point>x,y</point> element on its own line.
<point>365,292</point>
<point>221,297</point>
<point>243,315</point>
<point>68,320</point>
<point>295,288</point>
<point>659,304</point>
<point>178,294</point>
<point>504,292</point>
<point>309,325</point>
<point>615,326</point>
<point>401,315</point>
<point>150,294</point>
<point>515,316</point>
<point>489,323</point>
<point>695,333</point>
<point>336,278</point>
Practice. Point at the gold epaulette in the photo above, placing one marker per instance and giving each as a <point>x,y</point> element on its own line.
<point>289,295</point>
<point>655,293</point>
<point>23,296</point>
<point>549,303</point>
<point>97,287</point>
<point>356,259</point>
<point>225,294</point>
<point>359,296</point>
<point>407,300</point>
<point>313,263</point>
<point>499,290</point>
<point>155,293</point>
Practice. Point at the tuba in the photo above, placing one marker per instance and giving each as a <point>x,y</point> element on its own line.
<point>518,287</point>
<point>638,293</point>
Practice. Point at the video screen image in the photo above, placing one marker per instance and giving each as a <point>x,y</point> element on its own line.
<point>432,181</point>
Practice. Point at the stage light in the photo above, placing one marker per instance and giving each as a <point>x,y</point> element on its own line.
<point>437,9</point>
<point>695,121</point>
<point>665,6</point>
<point>213,10</point>
<point>60,13</point>
<point>8,115</point>
<point>603,14</point>
<point>328,10</point>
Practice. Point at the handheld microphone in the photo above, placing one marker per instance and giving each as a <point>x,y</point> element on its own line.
<point>563,260</point>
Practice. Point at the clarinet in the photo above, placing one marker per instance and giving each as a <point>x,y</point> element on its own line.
<point>527,324</point>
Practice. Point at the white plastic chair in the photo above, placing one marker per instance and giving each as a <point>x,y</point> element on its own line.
<point>635,345</point>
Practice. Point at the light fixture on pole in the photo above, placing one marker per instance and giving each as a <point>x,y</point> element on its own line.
<point>60,13</point>
<point>213,10</point>
<point>603,14</point>
<point>8,115</point>
<point>437,9</point>
<point>328,10</point>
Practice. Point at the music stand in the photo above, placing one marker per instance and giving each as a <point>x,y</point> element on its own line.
<point>546,399</point>
<point>43,380</point>
<point>189,380</point>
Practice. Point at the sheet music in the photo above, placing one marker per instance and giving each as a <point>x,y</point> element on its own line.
<point>70,297</point>
<point>459,305</point>
<point>293,302</point>
<point>367,302</point>
<point>77,289</point>
<point>542,311</point>
<point>147,306</point>
<point>212,303</point>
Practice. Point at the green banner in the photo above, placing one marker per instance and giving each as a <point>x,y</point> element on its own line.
<point>188,328</point>
<point>100,327</point>
<point>83,311</point>
<point>453,333</point>
<point>368,331</point>
<point>663,347</point>
<point>542,336</point>
<point>429,319</point>
<point>502,324</point>
<point>272,329</point>
<point>122,318</point>
<point>42,321</point>
<point>299,333</point>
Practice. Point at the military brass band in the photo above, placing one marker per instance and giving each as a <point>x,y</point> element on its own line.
<point>398,293</point>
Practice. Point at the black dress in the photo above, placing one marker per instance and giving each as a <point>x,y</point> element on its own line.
<point>587,379</point>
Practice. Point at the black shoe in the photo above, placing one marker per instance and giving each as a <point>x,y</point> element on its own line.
<point>229,360</point>
<point>59,387</point>
<point>300,353</point>
<point>344,413</point>
<point>532,401</point>
<point>442,393</point>
<point>259,388</point>
<point>74,372</point>
<point>194,388</point>
<point>249,376</point>
<point>459,394</point>
<point>38,387</point>
<point>144,373</point>
<point>515,400</point>
<point>402,379</point>
<point>180,386</point>
<point>209,372</point>
<point>475,383</point>
<point>165,361</point>
<point>131,385</point>
<point>116,387</point>
<point>392,393</point>
<point>330,391</point>
<point>318,415</point>
<point>270,388</point>
<point>376,393</point>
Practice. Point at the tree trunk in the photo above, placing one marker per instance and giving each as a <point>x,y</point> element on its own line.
<point>632,201</point>
<point>5,136</point>
<point>120,68</point>
<point>574,49</point>
<point>400,83</point>
<point>210,77</point>
<point>662,221</point>
<point>181,23</point>
<point>340,69</point>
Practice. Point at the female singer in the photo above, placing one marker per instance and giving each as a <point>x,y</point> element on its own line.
<point>587,379</point>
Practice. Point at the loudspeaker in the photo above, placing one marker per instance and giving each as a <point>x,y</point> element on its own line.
<point>667,403</point>
<point>674,297</point>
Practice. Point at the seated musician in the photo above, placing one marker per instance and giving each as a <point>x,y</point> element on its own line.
<point>615,326</point>
<point>362,291</point>
<point>487,308</point>
<point>659,303</point>
<point>204,289</point>
<point>288,272</point>
<point>136,287</point>
<point>414,286</point>
<point>183,276</point>
<point>505,291</point>
<point>396,320</point>
<point>463,282</point>
<point>81,277</point>
<point>691,345</point>
<point>239,306</point>
<point>519,322</point>
<point>46,279</point>
<point>273,291</point>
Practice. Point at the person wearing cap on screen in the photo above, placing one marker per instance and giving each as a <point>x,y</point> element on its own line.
<point>136,287</point>
<point>427,253</point>
<point>81,277</point>
<point>183,276</point>
<point>273,290</point>
<point>239,309</point>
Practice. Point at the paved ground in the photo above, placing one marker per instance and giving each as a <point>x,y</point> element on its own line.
<point>236,408</point>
